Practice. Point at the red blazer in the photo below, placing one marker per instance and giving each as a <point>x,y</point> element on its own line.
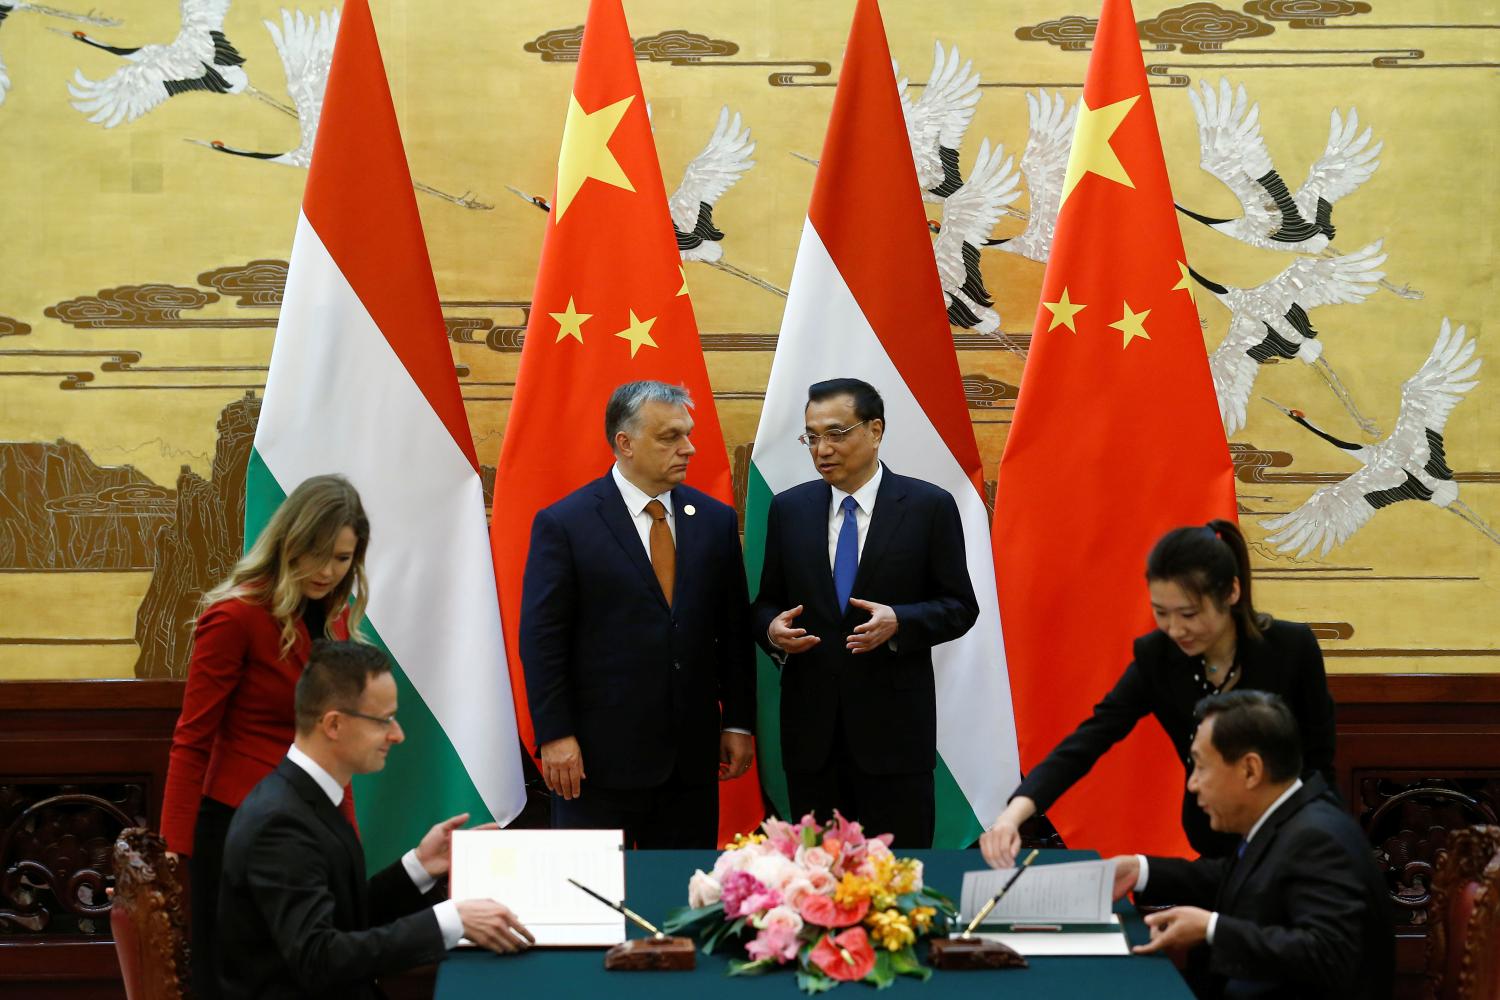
<point>237,717</point>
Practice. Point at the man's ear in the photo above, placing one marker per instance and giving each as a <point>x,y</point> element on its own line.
<point>330,724</point>
<point>1254,769</point>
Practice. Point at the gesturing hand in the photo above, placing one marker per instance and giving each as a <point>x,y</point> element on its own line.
<point>1177,929</point>
<point>435,852</point>
<point>562,766</point>
<point>492,925</point>
<point>787,637</point>
<point>1127,872</point>
<point>875,632</point>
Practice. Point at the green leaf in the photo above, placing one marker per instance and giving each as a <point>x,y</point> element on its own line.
<point>937,897</point>
<point>684,917</point>
<point>814,982</point>
<point>904,963</point>
<point>881,974</point>
<point>809,837</point>
<point>742,967</point>
<point>722,933</point>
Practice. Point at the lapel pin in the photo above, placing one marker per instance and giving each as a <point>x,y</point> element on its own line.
<point>689,510</point>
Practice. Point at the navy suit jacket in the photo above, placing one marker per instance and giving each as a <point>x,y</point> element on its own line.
<point>1304,914</point>
<point>297,917</point>
<point>914,561</point>
<point>607,660</point>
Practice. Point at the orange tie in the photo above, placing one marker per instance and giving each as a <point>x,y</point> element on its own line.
<point>663,552</point>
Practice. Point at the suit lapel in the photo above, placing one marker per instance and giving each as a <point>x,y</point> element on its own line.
<point>885,524</point>
<point>1265,838</point>
<point>690,545</point>
<point>813,527</point>
<point>335,822</point>
<point>617,518</point>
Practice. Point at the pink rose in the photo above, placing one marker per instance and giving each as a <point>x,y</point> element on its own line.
<point>782,918</point>
<point>703,890</point>
<point>775,944</point>
<point>814,857</point>
<point>759,902</point>
<point>737,860</point>
<point>877,848</point>
<point>793,890</point>
<point>740,888</point>
<point>821,882</point>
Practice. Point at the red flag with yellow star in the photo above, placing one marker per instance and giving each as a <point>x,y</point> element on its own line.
<point>611,305</point>
<point>1116,440</point>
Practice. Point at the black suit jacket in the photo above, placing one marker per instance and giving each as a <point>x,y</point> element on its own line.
<point>1305,912</point>
<point>297,917</point>
<point>914,561</point>
<point>1161,681</point>
<point>638,682</point>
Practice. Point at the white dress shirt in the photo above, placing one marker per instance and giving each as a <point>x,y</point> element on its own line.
<point>1213,918</point>
<point>865,498</point>
<point>635,503</point>
<point>449,922</point>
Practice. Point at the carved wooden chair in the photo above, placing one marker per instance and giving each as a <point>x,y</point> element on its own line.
<point>148,918</point>
<point>1463,936</point>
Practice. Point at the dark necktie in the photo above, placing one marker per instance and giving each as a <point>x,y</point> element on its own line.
<point>846,554</point>
<point>663,552</point>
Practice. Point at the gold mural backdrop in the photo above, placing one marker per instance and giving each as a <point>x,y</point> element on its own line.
<point>144,254</point>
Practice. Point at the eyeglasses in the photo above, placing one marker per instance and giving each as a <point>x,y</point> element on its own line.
<point>833,437</point>
<point>385,721</point>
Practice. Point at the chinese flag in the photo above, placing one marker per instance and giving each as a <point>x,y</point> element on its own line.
<point>1116,440</point>
<point>611,305</point>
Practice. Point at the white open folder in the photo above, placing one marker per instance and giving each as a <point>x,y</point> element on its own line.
<point>528,871</point>
<point>1062,909</point>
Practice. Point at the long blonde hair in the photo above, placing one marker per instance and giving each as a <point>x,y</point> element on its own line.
<point>307,523</point>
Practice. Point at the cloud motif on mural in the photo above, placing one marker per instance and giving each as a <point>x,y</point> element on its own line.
<point>1071,33</point>
<point>1201,27</point>
<point>674,45</point>
<point>10,327</point>
<point>256,285</point>
<point>131,306</point>
<point>1305,13</point>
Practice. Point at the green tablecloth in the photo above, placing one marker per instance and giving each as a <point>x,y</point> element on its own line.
<point>657,881</point>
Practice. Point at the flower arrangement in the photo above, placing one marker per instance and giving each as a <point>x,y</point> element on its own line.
<point>827,899</point>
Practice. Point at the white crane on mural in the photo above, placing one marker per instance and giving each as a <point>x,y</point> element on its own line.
<point>1044,164</point>
<point>9,7</point>
<point>200,58</point>
<point>1411,464</point>
<point>969,216</point>
<point>936,121</point>
<point>305,44</point>
<point>1270,322</point>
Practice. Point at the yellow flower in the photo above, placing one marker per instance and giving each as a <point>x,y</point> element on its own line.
<point>852,888</point>
<point>921,918</point>
<point>890,929</point>
<point>744,840</point>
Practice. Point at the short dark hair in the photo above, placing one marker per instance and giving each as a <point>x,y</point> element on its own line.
<point>623,411</point>
<point>336,674</point>
<point>867,402</point>
<point>1258,721</point>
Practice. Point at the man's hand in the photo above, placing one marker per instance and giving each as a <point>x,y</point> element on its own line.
<point>1177,929</point>
<point>562,766</point>
<point>787,637</point>
<point>492,925</point>
<point>435,852</point>
<point>1127,871</point>
<point>736,751</point>
<point>875,632</point>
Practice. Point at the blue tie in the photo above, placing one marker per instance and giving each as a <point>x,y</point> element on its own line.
<point>846,555</point>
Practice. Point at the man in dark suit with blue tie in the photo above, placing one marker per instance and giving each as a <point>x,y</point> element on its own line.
<point>864,573</point>
<point>635,637</point>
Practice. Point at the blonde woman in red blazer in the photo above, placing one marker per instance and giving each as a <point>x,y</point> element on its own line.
<point>252,640</point>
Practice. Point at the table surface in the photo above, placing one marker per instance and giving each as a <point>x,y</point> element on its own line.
<point>657,882</point>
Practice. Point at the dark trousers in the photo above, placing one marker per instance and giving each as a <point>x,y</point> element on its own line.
<point>673,816</point>
<point>898,804</point>
<point>204,868</point>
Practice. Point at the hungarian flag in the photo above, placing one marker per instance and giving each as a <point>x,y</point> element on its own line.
<point>1116,440</point>
<point>611,305</point>
<point>866,302</point>
<point>362,383</point>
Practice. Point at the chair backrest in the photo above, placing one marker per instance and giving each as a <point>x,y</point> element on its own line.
<point>148,919</point>
<point>1463,927</point>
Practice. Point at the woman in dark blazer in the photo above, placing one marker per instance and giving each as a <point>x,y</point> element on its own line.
<point>1209,638</point>
<point>252,640</point>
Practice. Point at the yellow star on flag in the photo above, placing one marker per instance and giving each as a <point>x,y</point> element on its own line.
<point>1092,153</point>
<point>682,271</point>
<point>638,333</point>
<point>1186,284</point>
<point>585,152</point>
<point>570,323</point>
<point>1063,312</point>
<point>1132,324</point>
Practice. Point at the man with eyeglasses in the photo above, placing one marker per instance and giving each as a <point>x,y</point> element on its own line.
<point>865,571</point>
<point>297,916</point>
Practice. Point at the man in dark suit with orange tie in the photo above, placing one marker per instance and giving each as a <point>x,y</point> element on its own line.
<point>865,571</point>
<point>635,637</point>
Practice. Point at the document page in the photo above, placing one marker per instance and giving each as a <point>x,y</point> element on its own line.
<point>1073,892</point>
<point>528,871</point>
